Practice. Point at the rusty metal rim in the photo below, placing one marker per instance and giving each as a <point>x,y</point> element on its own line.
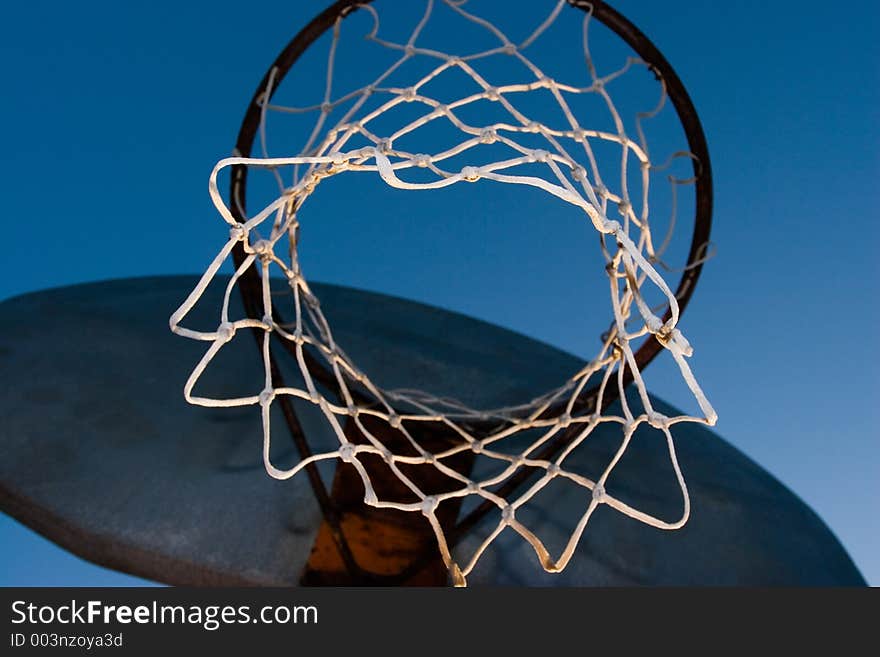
<point>250,282</point>
<point>610,18</point>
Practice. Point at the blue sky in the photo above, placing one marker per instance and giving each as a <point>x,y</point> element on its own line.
<point>116,112</point>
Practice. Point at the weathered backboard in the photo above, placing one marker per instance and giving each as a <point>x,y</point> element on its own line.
<point>101,454</point>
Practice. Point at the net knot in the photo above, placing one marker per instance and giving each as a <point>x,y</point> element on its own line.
<point>429,505</point>
<point>267,397</point>
<point>346,452</point>
<point>658,420</point>
<point>225,332</point>
<point>421,160</point>
<point>488,136</point>
<point>611,227</point>
<point>540,155</point>
<point>237,233</point>
<point>262,249</point>
<point>599,493</point>
<point>492,93</point>
<point>672,338</point>
<point>508,513</point>
<point>471,174</point>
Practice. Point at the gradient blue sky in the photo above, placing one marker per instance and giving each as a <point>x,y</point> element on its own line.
<point>116,112</point>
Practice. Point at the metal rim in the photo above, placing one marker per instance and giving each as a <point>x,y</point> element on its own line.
<point>609,17</point>
<point>250,283</point>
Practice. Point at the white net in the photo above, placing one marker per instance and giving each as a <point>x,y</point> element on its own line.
<point>566,166</point>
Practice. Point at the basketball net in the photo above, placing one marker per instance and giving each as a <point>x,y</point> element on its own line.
<point>565,168</point>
